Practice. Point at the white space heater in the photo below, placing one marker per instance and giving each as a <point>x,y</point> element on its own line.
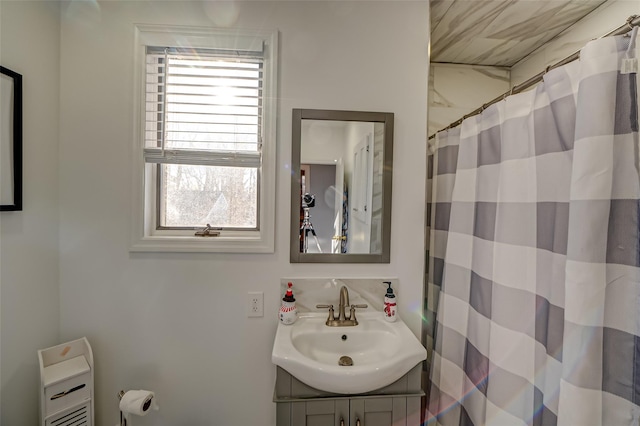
<point>66,379</point>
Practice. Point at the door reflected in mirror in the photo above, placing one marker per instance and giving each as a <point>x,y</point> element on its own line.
<point>341,186</point>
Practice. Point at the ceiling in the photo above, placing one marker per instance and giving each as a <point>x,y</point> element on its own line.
<point>499,33</point>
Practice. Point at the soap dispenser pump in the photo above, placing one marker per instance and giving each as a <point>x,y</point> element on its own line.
<point>389,304</point>
<point>288,311</point>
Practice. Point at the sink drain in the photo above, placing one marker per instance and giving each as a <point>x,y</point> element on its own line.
<point>345,361</point>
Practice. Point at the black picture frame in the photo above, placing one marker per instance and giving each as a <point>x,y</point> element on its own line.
<point>10,140</point>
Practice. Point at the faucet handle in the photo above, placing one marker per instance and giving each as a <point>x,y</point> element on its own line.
<point>352,314</point>
<point>331,314</point>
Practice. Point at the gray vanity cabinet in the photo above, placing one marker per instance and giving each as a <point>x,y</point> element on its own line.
<point>395,405</point>
<point>358,411</point>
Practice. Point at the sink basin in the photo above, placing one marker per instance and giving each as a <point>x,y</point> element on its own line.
<point>380,352</point>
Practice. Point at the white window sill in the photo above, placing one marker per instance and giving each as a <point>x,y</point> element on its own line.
<point>190,244</point>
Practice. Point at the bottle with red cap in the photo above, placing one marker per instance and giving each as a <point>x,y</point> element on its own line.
<point>390,313</point>
<point>288,311</point>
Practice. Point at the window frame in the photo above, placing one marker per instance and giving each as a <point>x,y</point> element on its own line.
<point>145,237</point>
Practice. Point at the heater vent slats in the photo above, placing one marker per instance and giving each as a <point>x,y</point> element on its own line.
<point>77,417</point>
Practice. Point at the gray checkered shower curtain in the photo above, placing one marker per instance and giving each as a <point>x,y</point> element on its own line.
<point>533,297</point>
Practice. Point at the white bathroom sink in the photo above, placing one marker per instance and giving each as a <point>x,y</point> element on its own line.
<point>381,352</point>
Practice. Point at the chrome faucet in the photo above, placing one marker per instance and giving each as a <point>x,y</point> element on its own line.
<point>342,320</point>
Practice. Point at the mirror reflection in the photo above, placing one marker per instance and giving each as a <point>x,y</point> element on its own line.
<point>341,188</point>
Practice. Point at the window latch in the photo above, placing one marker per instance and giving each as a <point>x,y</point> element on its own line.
<point>208,231</point>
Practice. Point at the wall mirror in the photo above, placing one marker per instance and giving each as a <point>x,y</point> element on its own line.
<point>341,170</point>
<point>10,140</point>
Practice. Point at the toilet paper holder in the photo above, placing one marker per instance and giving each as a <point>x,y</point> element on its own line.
<point>135,397</point>
<point>145,406</point>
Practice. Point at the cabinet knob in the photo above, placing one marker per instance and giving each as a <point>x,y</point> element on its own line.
<point>341,421</point>
<point>357,421</point>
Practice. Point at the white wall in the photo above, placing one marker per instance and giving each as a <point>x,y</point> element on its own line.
<point>175,323</point>
<point>323,142</point>
<point>604,19</point>
<point>29,308</point>
<point>456,90</point>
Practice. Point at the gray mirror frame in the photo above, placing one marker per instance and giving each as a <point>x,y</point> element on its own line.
<point>335,115</point>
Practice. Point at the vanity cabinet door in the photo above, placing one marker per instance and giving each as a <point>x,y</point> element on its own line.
<point>392,411</point>
<point>320,413</point>
<point>371,412</point>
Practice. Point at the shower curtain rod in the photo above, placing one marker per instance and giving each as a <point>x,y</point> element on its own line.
<point>632,21</point>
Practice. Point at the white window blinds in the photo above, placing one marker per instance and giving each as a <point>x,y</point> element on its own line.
<point>203,107</point>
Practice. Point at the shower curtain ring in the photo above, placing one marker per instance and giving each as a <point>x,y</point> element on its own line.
<point>509,93</point>
<point>630,19</point>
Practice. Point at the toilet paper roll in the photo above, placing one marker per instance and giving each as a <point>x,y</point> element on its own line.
<point>138,402</point>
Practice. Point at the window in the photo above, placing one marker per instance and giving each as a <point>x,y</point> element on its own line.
<point>205,140</point>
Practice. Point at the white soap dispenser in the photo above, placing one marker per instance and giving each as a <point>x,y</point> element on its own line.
<point>390,304</point>
<point>288,312</point>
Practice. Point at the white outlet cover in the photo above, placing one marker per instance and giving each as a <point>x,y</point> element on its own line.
<point>255,304</point>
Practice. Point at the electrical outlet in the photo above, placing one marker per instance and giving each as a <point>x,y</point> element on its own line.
<point>255,304</point>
